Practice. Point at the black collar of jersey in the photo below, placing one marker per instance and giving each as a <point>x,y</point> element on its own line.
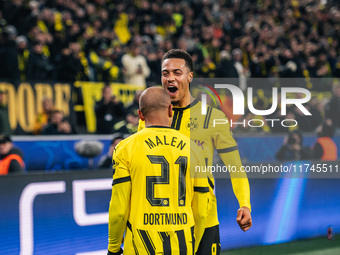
<point>157,126</point>
<point>187,107</point>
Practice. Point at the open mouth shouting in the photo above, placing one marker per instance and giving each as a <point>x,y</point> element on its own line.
<point>172,90</point>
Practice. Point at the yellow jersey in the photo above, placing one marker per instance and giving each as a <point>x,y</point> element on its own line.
<point>154,177</point>
<point>210,136</point>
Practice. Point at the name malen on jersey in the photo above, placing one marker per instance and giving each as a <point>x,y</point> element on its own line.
<point>165,218</point>
<point>163,140</point>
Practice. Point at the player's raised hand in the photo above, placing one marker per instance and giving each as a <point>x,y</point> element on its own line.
<point>244,218</point>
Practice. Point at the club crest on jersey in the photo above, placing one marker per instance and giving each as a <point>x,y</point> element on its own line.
<point>192,124</point>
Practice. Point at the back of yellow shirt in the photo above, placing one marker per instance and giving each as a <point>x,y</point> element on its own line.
<point>160,163</point>
<point>202,131</point>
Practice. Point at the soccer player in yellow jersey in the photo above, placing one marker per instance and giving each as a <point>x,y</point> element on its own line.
<point>177,73</point>
<point>155,196</point>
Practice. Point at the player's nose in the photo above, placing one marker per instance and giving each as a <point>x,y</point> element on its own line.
<point>171,77</point>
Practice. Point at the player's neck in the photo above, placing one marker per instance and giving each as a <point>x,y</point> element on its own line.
<point>157,122</point>
<point>185,101</point>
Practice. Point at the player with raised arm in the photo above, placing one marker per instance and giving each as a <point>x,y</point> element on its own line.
<point>177,73</point>
<point>154,193</point>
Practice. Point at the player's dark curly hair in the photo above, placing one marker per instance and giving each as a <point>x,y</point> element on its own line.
<point>177,53</point>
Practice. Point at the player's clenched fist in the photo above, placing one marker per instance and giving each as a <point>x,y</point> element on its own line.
<point>244,218</point>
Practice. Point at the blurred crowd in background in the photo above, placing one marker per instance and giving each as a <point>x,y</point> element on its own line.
<point>68,40</point>
<point>123,41</point>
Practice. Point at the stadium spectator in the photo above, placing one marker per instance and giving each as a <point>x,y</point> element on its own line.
<point>39,67</point>
<point>316,108</point>
<point>71,64</point>
<point>325,148</point>
<point>154,62</point>
<point>325,69</point>
<point>103,67</point>
<point>333,108</point>
<point>337,67</point>
<point>23,54</point>
<point>8,53</point>
<point>4,121</point>
<point>109,110</point>
<point>134,106</point>
<point>106,160</point>
<point>129,125</point>
<point>226,66</point>
<point>242,71</point>
<point>208,68</point>
<point>188,37</point>
<point>261,65</point>
<point>135,67</point>
<point>288,67</point>
<point>11,158</point>
<point>43,118</point>
<point>293,149</point>
<point>311,67</point>
<point>58,125</point>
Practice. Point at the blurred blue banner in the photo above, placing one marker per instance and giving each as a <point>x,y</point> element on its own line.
<point>55,153</point>
<point>66,212</point>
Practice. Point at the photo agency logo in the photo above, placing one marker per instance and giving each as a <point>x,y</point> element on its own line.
<point>205,89</point>
<point>241,107</point>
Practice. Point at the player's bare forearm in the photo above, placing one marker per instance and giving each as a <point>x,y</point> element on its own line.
<point>244,218</point>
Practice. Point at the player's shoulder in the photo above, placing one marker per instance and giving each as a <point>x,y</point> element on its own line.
<point>179,135</point>
<point>217,113</point>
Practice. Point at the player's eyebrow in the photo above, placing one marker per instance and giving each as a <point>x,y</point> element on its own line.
<point>175,70</point>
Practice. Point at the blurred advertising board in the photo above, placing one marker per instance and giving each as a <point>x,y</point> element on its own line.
<point>67,212</point>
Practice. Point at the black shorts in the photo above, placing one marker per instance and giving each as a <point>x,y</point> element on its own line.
<point>210,243</point>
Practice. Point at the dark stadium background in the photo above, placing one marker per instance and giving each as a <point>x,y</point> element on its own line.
<point>242,39</point>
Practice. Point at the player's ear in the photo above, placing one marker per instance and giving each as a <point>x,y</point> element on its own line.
<point>170,111</point>
<point>191,76</point>
<point>170,114</point>
<point>140,115</point>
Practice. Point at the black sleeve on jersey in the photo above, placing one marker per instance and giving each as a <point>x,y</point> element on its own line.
<point>230,149</point>
<point>201,189</point>
<point>120,180</point>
